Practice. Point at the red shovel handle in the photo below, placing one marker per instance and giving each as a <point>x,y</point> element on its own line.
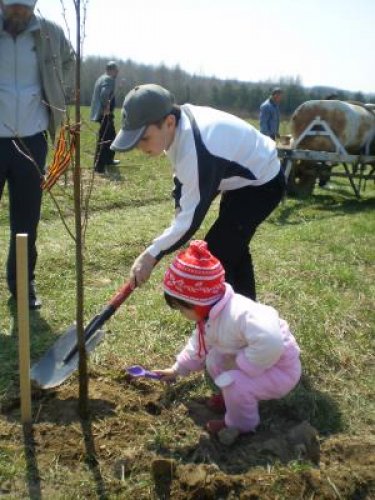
<point>121,295</point>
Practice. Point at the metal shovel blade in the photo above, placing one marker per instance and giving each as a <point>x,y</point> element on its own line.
<point>61,360</point>
<point>58,363</point>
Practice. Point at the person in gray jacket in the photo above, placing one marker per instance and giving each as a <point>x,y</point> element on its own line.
<point>269,116</point>
<point>102,111</point>
<point>35,58</point>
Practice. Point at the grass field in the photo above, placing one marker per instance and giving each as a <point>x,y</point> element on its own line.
<point>314,261</point>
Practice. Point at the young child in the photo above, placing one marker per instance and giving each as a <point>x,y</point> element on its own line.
<point>211,153</point>
<point>245,346</point>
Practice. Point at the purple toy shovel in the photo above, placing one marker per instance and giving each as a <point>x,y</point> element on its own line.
<point>139,371</point>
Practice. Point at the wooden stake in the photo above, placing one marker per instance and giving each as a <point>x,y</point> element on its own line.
<point>23,326</point>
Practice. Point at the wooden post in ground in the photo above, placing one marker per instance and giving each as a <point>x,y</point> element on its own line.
<point>23,326</point>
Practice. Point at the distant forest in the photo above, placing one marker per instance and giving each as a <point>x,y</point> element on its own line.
<point>241,98</point>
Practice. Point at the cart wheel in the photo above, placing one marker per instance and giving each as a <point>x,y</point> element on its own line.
<point>302,179</point>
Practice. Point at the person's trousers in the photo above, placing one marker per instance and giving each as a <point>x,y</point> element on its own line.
<point>24,179</point>
<point>103,154</point>
<point>241,211</point>
<point>242,392</point>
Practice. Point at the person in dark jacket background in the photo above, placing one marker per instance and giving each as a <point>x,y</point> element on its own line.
<point>102,111</point>
<point>269,116</point>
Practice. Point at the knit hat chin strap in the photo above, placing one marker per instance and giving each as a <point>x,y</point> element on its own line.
<point>201,341</point>
<point>203,311</point>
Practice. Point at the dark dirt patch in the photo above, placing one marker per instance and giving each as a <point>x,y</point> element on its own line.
<point>147,441</point>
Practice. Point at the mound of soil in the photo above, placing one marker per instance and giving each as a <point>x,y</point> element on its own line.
<point>145,440</point>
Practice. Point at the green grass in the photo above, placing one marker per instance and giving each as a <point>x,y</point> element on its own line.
<point>314,262</point>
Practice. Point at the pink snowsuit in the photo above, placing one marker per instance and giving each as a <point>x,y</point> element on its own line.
<point>251,356</point>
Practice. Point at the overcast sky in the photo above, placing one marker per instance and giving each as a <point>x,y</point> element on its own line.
<point>324,42</point>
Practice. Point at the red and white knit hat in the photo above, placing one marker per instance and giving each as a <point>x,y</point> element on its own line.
<point>195,276</point>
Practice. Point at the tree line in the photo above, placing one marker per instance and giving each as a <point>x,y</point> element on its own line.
<point>241,98</point>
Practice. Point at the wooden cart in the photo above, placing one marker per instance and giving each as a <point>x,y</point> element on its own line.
<point>303,167</point>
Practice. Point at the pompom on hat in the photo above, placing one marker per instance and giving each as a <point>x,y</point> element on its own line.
<point>195,276</point>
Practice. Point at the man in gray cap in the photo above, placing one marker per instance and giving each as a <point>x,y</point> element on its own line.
<point>211,152</point>
<point>102,111</point>
<point>35,58</point>
<point>269,116</point>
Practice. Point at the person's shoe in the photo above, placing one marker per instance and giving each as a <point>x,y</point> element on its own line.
<point>216,403</point>
<point>34,301</point>
<point>99,169</point>
<point>215,426</point>
<point>12,289</point>
<point>113,163</point>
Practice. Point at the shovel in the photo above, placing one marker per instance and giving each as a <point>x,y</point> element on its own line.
<point>61,360</point>
<point>136,371</point>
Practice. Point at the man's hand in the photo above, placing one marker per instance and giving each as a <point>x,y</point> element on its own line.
<point>141,269</point>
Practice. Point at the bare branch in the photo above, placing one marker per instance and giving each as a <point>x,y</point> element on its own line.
<point>29,157</point>
<point>65,19</point>
<point>27,154</point>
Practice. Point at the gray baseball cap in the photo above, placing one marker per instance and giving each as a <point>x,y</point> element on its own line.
<point>143,105</point>
<point>27,3</point>
<point>111,65</point>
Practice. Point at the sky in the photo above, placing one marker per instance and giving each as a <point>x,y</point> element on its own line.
<point>322,42</point>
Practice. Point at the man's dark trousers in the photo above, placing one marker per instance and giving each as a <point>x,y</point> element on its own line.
<point>103,154</point>
<point>24,179</point>
<point>241,212</point>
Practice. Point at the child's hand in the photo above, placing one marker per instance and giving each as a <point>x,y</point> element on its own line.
<point>167,375</point>
<point>229,362</point>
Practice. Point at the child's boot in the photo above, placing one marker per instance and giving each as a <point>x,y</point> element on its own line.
<point>216,403</point>
<point>215,426</point>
